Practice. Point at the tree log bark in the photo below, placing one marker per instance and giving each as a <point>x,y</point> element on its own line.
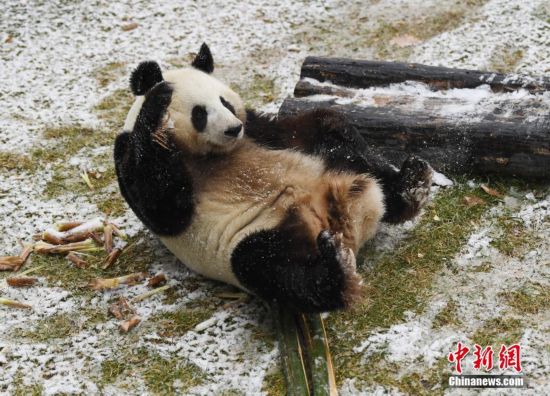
<point>365,74</point>
<point>494,143</point>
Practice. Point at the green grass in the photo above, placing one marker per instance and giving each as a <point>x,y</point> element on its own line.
<point>62,143</point>
<point>25,390</point>
<point>111,369</point>
<point>499,331</point>
<point>429,381</point>
<point>401,280</point>
<point>67,180</point>
<point>158,374</point>
<point>274,382</point>
<point>177,323</point>
<point>50,328</point>
<point>447,316</point>
<point>483,267</point>
<point>59,326</point>
<point>531,298</point>
<point>15,161</point>
<point>514,239</point>
<point>113,205</point>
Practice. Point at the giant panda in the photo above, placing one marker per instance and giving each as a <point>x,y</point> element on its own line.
<point>278,207</point>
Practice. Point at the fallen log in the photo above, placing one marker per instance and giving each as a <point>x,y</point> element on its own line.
<point>492,144</point>
<point>463,130</point>
<point>365,74</point>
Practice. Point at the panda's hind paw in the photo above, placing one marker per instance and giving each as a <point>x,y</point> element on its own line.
<point>416,178</point>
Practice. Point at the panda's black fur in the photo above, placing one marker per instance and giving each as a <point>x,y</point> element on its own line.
<point>305,260</point>
<point>145,77</point>
<point>153,205</point>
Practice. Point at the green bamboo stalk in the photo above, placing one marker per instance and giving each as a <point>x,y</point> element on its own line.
<point>291,352</point>
<point>320,363</point>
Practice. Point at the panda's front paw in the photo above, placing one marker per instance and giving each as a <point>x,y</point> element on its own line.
<point>341,261</point>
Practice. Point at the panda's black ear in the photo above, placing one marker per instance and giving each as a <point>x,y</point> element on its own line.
<point>145,77</point>
<point>204,61</point>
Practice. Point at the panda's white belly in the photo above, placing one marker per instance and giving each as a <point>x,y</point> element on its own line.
<point>250,192</point>
<point>216,230</point>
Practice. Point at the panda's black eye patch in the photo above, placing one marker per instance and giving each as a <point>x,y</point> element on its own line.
<point>199,117</point>
<point>228,105</point>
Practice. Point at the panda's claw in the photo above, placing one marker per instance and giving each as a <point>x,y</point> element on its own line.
<point>326,243</point>
<point>333,251</point>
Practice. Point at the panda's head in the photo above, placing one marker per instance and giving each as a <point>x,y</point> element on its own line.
<point>202,114</point>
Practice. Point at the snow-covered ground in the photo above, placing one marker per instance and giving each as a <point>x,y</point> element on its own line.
<point>50,55</point>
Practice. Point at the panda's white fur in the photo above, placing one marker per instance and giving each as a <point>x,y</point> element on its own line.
<point>247,191</point>
<point>133,113</point>
<point>235,201</point>
<point>241,188</point>
<point>192,87</point>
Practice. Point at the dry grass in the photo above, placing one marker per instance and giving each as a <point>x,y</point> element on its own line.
<point>109,73</point>
<point>14,161</point>
<point>499,331</point>
<point>531,298</point>
<point>447,316</point>
<point>505,58</point>
<point>514,238</point>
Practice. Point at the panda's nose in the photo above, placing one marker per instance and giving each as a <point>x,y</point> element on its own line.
<point>233,132</point>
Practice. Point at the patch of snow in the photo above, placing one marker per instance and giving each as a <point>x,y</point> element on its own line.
<point>455,104</point>
<point>412,340</point>
<point>441,180</point>
<point>353,387</point>
<point>498,23</point>
<point>221,353</point>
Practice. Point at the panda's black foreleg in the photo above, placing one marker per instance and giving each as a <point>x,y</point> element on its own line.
<point>276,268</point>
<point>325,133</point>
<point>151,175</point>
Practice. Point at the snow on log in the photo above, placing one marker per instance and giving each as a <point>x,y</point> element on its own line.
<point>458,130</point>
<point>365,74</point>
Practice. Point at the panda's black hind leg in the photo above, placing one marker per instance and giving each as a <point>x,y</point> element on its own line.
<point>270,264</point>
<point>327,133</point>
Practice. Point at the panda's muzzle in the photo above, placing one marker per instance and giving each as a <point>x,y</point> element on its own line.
<point>233,132</point>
